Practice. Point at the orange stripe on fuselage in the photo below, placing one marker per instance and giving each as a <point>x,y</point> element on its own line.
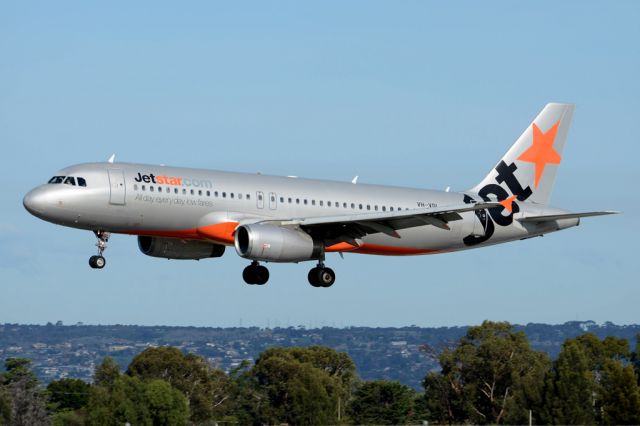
<point>219,232</point>
<point>391,251</point>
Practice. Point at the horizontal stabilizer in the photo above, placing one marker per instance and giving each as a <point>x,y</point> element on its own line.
<point>553,217</point>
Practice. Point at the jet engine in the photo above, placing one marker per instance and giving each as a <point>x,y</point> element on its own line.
<point>176,248</point>
<point>275,244</point>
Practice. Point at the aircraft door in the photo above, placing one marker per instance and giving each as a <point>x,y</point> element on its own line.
<point>260,199</point>
<point>116,187</point>
<point>273,203</point>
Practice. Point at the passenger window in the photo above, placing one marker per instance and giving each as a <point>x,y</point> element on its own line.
<point>70,181</point>
<point>360,206</point>
<point>248,196</point>
<point>305,201</point>
<point>231,194</point>
<point>191,191</point>
<point>200,192</point>
<point>368,207</point>
<point>208,193</point>
<point>321,203</point>
<point>328,203</point>
<point>353,206</point>
<point>239,196</point>
<point>273,198</point>
<point>215,193</point>
<point>175,190</point>
<point>159,189</point>
<point>281,199</point>
<point>313,202</point>
<point>82,182</point>
<point>297,200</point>
<point>391,208</point>
<point>384,208</point>
<point>344,205</point>
<point>224,195</point>
<point>56,179</point>
<point>151,188</point>
<point>184,191</point>
<point>375,208</point>
<point>337,204</point>
<point>135,187</point>
<point>259,196</point>
<point>289,200</point>
<point>144,188</point>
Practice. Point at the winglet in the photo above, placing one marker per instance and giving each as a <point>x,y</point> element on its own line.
<point>112,158</point>
<point>354,180</point>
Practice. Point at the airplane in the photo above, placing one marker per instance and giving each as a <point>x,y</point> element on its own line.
<point>185,213</point>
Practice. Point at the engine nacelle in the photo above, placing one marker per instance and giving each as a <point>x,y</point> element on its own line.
<point>275,244</point>
<point>176,248</point>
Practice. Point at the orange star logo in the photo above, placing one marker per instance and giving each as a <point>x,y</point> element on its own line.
<point>541,152</point>
<point>508,203</point>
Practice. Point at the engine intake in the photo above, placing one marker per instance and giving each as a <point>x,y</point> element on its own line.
<point>176,248</point>
<point>275,244</point>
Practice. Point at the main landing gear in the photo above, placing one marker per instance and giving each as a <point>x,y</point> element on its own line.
<point>98,262</point>
<point>255,274</point>
<point>320,276</point>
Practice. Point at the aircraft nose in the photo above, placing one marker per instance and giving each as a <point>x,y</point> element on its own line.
<point>35,201</point>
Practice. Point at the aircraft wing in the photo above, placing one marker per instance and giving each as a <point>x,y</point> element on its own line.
<point>347,228</point>
<point>549,218</point>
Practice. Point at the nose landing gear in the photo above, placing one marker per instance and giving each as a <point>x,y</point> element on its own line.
<point>98,262</point>
<point>255,274</point>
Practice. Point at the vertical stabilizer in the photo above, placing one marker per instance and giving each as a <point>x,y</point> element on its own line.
<point>528,170</point>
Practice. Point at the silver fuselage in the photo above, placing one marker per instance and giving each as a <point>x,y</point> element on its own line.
<point>142,199</point>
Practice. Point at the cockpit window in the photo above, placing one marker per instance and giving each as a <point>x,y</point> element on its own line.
<point>82,182</point>
<point>70,180</point>
<point>56,179</point>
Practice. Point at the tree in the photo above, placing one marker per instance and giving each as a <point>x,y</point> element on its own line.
<point>207,390</point>
<point>131,400</point>
<point>5,405</point>
<point>382,402</point>
<point>27,401</point>
<point>297,391</point>
<point>570,387</point>
<point>620,394</point>
<point>107,372</point>
<point>68,394</point>
<point>492,376</point>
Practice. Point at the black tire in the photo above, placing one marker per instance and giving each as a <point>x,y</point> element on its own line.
<point>262,275</point>
<point>92,261</point>
<point>326,277</point>
<point>313,277</point>
<point>248,275</point>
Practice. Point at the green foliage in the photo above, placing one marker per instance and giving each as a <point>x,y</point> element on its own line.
<point>5,405</point>
<point>129,399</point>
<point>107,372</point>
<point>207,390</point>
<point>19,369</point>
<point>571,386</point>
<point>492,376</point>
<point>303,385</point>
<point>620,394</point>
<point>68,394</point>
<point>382,402</point>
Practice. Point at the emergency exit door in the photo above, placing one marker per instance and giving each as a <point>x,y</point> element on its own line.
<point>116,187</point>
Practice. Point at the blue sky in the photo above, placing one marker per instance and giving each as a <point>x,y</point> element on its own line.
<point>422,94</point>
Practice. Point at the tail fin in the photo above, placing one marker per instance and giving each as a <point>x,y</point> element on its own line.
<point>528,170</point>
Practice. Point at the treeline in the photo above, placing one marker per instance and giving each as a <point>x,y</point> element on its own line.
<point>491,375</point>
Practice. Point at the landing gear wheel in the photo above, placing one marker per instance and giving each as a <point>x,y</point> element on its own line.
<point>326,277</point>
<point>313,277</point>
<point>255,274</point>
<point>97,262</point>
<point>321,277</point>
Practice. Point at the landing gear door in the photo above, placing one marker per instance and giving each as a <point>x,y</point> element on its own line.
<point>116,187</point>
